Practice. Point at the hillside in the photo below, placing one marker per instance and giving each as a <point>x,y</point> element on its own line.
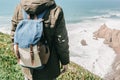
<point>11,71</point>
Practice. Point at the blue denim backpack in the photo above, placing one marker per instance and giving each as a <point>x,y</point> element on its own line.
<point>27,35</point>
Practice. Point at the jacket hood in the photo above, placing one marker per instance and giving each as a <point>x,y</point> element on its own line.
<point>36,6</point>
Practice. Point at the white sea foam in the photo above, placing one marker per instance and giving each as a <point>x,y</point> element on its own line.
<point>106,13</point>
<point>5,24</point>
<point>5,30</point>
<point>96,56</point>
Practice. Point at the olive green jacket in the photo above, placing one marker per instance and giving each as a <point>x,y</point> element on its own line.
<point>56,34</point>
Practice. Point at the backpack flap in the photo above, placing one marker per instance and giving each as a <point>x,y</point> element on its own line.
<point>28,32</point>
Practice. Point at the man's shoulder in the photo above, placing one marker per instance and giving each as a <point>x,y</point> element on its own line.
<point>57,8</point>
<point>56,11</point>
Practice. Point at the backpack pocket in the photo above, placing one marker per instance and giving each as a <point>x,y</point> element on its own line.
<point>41,56</point>
<point>44,53</point>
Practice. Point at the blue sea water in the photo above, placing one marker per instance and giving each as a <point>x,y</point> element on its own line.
<point>74,10</point>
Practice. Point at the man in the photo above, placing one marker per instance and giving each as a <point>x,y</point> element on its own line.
<point>54,31</point>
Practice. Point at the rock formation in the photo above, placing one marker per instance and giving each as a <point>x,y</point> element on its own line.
<point>83,42</point>
<point>111,36</point>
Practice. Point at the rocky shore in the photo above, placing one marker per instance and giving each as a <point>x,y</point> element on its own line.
<point>112,39</point>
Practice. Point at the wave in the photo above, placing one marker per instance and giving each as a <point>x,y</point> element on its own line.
<point>5,25</point>
<point>5,20</point>
<point>110,13</point>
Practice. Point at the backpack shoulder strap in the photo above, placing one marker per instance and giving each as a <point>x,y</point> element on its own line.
<point>54,14</point>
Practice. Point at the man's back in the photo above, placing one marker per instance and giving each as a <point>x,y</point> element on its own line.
<point>56,34</point>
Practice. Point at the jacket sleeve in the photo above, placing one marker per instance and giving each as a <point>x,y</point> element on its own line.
<point>61,39</point>
<point>15,20</point>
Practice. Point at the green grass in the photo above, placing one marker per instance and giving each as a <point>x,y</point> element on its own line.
<point>9,70</point>
<point>76,72</point>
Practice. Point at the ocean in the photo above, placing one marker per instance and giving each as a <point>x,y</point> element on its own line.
<point>75,11</point>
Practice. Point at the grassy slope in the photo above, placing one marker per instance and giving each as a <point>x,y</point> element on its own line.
<point>10,71</point>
